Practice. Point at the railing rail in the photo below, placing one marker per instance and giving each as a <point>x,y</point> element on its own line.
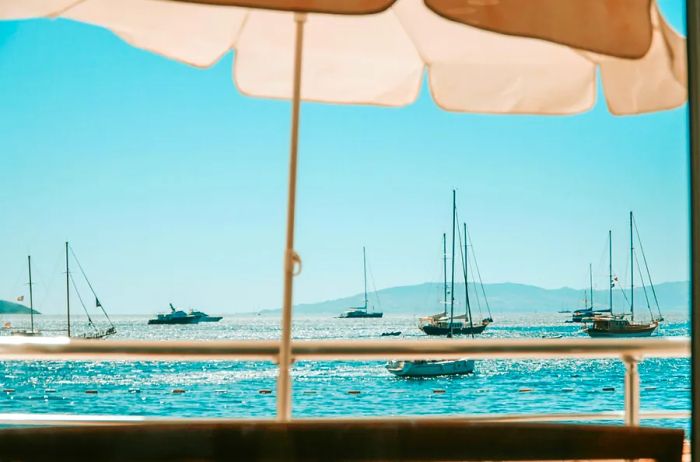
<point>629,351</point>
<point>62,348</point>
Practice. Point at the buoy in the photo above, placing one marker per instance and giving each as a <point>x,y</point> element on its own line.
<point>9,390</point>
<point>567,389</point>
<point>178,391</point>
<point>525,390</point>
<point>91,392</point>
<point>353,392</point>
<point>608,388</point>
<point>265,391</point>
<point>439,391</point>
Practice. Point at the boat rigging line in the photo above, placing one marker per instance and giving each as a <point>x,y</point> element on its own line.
<point>80,298</point>
<point>463,257</point>
<point>97,300</point>
<point>644,257</point>
<point>478,274</point>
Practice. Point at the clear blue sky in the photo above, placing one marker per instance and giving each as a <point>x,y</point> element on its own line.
<point>171,185</point>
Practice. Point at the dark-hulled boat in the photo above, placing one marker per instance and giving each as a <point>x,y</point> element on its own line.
<point>174,317</point>
<point>445,323</point>
<point>589,311</point>
<point>204,317</point>
<point>362,311</point>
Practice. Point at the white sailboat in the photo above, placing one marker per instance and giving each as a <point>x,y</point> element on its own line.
<point>94,332</point>
<point>433,368</point>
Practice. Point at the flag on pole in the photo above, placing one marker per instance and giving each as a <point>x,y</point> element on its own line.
<point>97,303</point>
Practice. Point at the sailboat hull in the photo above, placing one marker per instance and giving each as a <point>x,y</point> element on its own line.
<point>354,314</point>
<point>440,330</point>
<point>641,331</point>
<point>430,368</point>
<point>618,326</point>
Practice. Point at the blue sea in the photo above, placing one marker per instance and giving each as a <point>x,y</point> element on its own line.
<point>321,389</point>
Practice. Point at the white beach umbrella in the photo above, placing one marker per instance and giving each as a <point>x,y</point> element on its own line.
<point>490,56</point>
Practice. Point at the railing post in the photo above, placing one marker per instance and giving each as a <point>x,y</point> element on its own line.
<point>631,390</point>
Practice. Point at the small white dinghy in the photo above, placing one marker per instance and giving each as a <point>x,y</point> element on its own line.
<point>430,368</point>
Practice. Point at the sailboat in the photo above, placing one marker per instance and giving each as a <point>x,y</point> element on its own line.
<point>441,323</point>
<point>94,332</point>
<point>31,332</point>
<point>362,311</point>
<point>589,311</point>
<point>432,368</point>
<point>612,325</point>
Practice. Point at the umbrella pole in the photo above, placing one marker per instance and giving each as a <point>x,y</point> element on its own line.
<point>284,389</point>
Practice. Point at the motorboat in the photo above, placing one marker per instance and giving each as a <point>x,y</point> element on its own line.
<point>174,317</point>
<point>430,368</point>
<point>203,317</point>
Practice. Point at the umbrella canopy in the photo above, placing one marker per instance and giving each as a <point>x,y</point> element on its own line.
<point>546,64</point>
<point>495,56</point>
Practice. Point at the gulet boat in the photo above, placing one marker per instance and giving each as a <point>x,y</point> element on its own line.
<point>619,325</point>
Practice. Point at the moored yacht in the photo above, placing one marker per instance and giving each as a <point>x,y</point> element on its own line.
<point>174,317</point>
<point>618,325</point>
<point>445,323</point>
<point>589,311</point>
<point>94,331</point>
<point>451,325</point>
<point>203,317</point>
<point>362,311</point>
<point>428,368</point>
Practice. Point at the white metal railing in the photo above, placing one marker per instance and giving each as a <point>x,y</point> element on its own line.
<point>629,351</point>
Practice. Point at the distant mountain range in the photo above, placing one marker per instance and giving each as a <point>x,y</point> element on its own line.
<point>506,297</point>
<point>14,308</point>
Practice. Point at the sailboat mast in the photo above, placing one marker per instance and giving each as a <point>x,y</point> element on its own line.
<point>610,276</point>
<point>67,292</point>
<point>631,268</point>
<point>468,311</point>
<point>590,278</point>
<point>452,289</point>
<point>444,272</point>
<point>31,298</point>
<point>364,264</point>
